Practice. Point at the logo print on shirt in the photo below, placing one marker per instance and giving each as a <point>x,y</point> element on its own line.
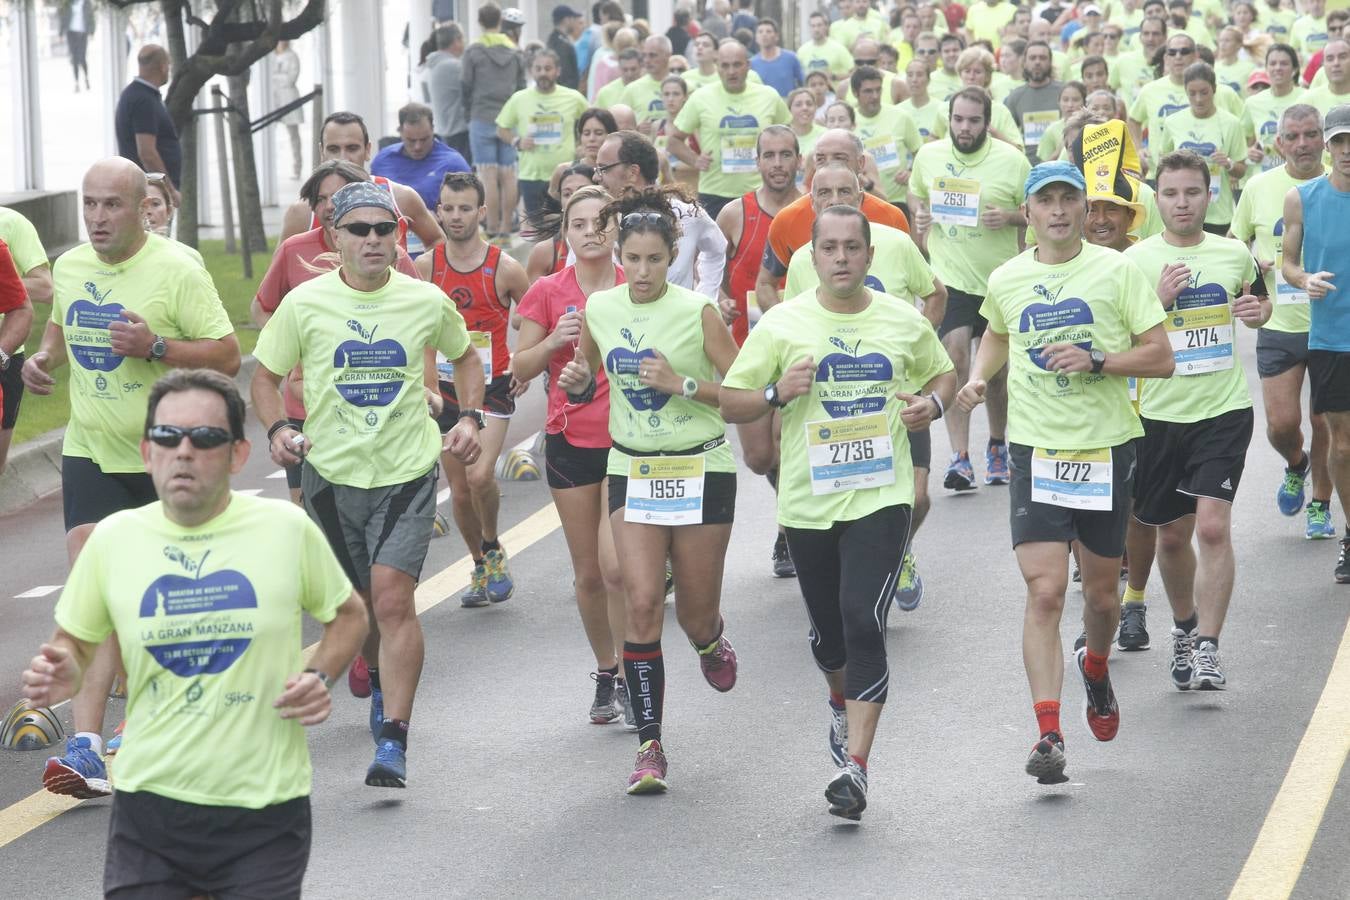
<point>462,296</point>
<point>1068,320</point>
<point>622,366</point>
<point>212,640</point>
<point>85,319</point>
<point>852,384</point>
<point>369,388</point>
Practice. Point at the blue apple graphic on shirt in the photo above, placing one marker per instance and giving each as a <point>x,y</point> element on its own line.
<point>93,313</point>
<point>1168,108</point>
<point>370,354</point>
<point>734,121</point>
<point>848,366</point>
<point>874,283</point>
<point>1203,149</point>
<point>621,361</point>
<point>1052,315</point>
<point>196,647</point>
<point>1208,294</point>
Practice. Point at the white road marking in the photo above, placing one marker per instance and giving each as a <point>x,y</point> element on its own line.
<point>42,590</point>
<point>279,473</point>
<point>250,492</point>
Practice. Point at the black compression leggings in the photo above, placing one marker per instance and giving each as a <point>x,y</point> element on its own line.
<point>847,575</point>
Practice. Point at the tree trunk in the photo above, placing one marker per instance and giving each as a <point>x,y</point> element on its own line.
<point>246,168</point>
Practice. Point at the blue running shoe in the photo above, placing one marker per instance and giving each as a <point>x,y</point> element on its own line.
<point>996,469</point>
<point>1319,521</point>
<point>1289,498</point>
<point>499,583</point>
<point>390,768</point>
<point>909,586</point>
<point>80,773</point>
<point>476,594</point>
<point>960,474</point>
<point>376,714</point>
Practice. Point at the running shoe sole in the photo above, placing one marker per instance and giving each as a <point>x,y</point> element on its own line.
<point>65,781</point>
<point>1046,763</point>
<point>955,481</point>
<point>846,801</point>
<point>648,784</point>
<point>379,776</point>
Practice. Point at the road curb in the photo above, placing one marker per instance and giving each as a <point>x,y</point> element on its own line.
<point>34,467</point>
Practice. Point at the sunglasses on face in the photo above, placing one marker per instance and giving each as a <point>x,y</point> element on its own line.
<point>363,229</point>
<point>1181,51</point>
<point>929,52</point>
<point>203,437</point>
<point>865,62</point>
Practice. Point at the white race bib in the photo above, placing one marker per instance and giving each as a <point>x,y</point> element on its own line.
<point>665,490</point>
<point>1074,479</point>
<point>1034,125</point>
<point>883,150</point>
<point>738,154</point>
<point>1285,293</point>
<point>546,129</point>
<point>955,201</point>
<point>1201,338</point>
<point>481,341</point>
<point>850,454</point>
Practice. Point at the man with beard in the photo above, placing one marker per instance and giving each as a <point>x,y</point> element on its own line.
<point>1035,105</point>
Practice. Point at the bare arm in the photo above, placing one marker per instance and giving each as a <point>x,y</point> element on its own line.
<point>38,283</point>
<point>221,354</point>
<point>296,220</point>
<point>148,151</point>
<point>678,147</point>
<point>342,638</point>
<point>56,673</point>
<point>935,304</point>
<point>1317,284</point>
<point>265,391</point>
<point>420,219</point>
<point>15,326</point>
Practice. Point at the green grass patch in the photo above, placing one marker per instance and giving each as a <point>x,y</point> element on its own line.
<point>42,414</point>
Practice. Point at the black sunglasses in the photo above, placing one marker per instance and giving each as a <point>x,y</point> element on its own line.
<point>1180,51</point>
<point>638,218</point>
<point>363,229</point>
<point>865,62</point>
<point>203,437</point>
<point>932,51</point>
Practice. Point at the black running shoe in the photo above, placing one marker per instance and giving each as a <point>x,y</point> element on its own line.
<point>782,560</point>
<point>1133,630</point>
<point>1343,564</point>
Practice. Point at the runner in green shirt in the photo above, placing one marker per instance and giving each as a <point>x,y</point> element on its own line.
<point>823,53</point>
<point>1072,321</point>
<point>856,373</point>
<point>367,336</point>
<point>968,191</point>
<point>726,118</point>
<point>1212,134</point>
<point>1198,424</point>
<point>203,592</point>
<point>1263,109</point>
<point>126,307</point>
<point>539,121</point>
<point>1282,343</point>
<point>887,133</point>
<point>644,94</point>
<point>672,476</point>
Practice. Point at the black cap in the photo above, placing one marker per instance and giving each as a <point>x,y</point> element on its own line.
<point>563,13</point>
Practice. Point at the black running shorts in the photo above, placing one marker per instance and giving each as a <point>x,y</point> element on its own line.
<point>1179,462</point>
<point>1100,531</point>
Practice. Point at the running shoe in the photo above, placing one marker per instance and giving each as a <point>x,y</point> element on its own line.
<point>1319,521</point>
<point>1207,674</point>
<point>909,586</point>
<point>649,773</point>
<point>838,734</point>
<point>1343,563</point>
<point>476,594</point>
<point>390,768</point>
<point>719,663</point>
<point>1081,641</point>
<point>782,560</point>
<point>847,792</point>
<point>115,743</point>
<point>1183,652</point>
<point>996,464</point>
<point>625,704</point>
<point>499,587</point>
<point>80,773</point>
<point>358,678</point>
<point>604,709</point>
<point>1101,712</point>
<point>1047,761</point>
<point>1133,634</point>
<point>376,714</point>
<point>960,474</point>
<point>1289,497</point>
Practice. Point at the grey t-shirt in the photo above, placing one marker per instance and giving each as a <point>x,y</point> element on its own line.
<point>1027,99</point>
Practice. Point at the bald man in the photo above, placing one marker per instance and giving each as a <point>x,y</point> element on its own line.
<point>127,307</point>
<point>145,132</point>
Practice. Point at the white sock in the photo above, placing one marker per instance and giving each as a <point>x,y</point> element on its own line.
<point>95,740</point>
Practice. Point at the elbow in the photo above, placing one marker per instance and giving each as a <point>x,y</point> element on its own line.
<point>1166,366</point>
<point>230,361</point>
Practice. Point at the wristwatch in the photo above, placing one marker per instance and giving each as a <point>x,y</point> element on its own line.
<point>689,388</point>
<point>1098,360</point>
<point>322,676</point>
<point>771,396</point>
<point>4,361</point>
<point>475,415</point>
<point>158,349</point>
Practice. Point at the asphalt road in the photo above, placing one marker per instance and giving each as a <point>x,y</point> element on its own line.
<point>512,793</point>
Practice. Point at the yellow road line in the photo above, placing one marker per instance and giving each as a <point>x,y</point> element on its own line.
<point>40,807</point>
<point>1277,857</point>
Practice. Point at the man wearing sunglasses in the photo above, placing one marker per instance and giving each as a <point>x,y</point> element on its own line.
<point>204,591</point>
<point>367,337</point>
<point>126,306</point>
<point>1166,95</point>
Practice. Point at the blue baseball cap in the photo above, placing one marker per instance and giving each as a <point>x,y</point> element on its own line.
<point>1048,173</point>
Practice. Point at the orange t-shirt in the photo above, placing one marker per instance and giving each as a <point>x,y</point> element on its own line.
<point>791,228</point>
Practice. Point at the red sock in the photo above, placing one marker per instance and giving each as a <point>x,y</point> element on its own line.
<point>862,763</point>
<point>1047,716</point>
<point>1094,666</point>
<point>837,700</point>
